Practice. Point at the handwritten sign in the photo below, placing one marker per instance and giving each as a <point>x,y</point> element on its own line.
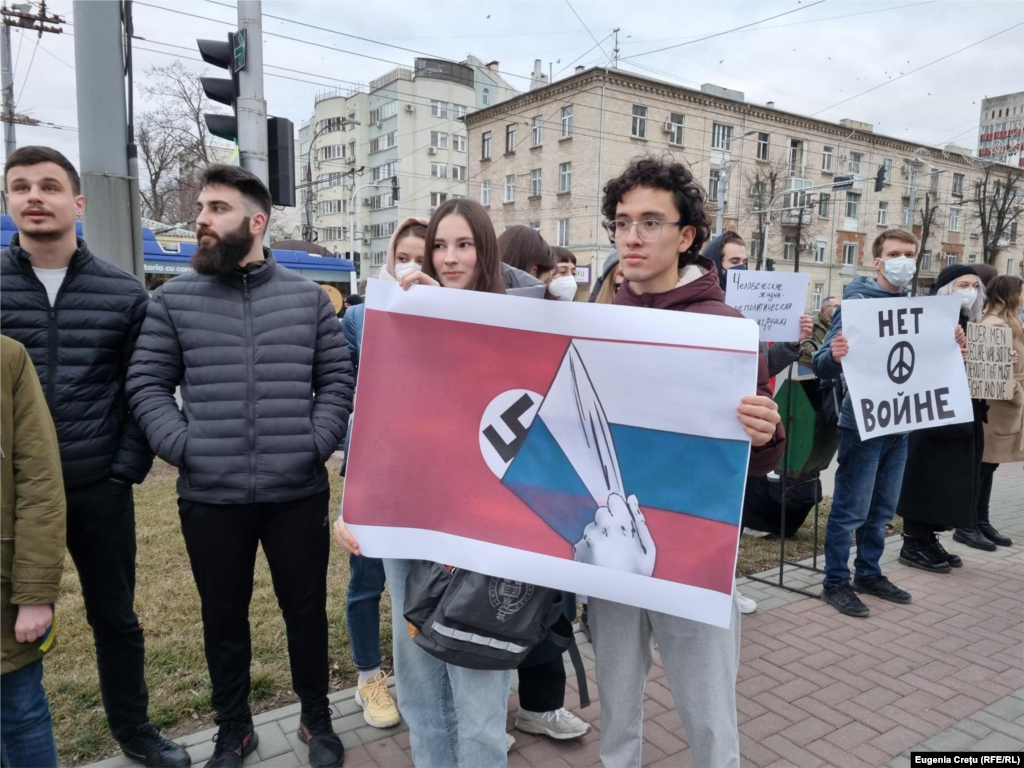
<point>989,363</point>
<point>904,369</point>
<point>774,299</point>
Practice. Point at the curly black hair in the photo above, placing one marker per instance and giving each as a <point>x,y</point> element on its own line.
<point>664,173</point>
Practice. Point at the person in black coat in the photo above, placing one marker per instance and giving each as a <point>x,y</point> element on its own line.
<point>942,477</point>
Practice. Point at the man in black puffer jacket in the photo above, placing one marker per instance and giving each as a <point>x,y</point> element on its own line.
<point>79,317</point>
<point>266,388</point>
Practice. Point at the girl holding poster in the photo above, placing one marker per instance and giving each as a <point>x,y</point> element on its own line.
<point>456,715</point>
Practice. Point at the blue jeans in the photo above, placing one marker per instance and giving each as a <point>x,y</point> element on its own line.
<point>26,732</point>
<point>867,489</point>
<point>456,715</point>
<point>365,586</point>
<point>804,370</point>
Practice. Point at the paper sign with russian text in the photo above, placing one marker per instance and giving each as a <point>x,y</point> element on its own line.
<point>774,299</point>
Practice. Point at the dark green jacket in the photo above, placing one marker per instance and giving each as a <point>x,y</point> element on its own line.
<point>31,484</point>
<point>821,326</point>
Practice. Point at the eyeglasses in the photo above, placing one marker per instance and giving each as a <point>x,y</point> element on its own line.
<point>649,230</point>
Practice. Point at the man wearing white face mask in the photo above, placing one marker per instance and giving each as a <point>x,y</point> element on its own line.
<point>870,473</point>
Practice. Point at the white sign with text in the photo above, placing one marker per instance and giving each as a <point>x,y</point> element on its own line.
<point>774,299</point>
<point>905,370</point>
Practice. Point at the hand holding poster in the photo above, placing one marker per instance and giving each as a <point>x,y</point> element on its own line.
<point>583,447</point>
<point>774,299</point>
<point>904,369</point>
<point>989,361</point>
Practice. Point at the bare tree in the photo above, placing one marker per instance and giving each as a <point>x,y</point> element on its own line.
<point>158,149</point>
<point>763,182</point>
<point>928,212</point>
<point>998,201</point>
<point>183,104</point>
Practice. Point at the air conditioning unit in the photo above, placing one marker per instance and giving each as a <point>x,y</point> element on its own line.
<point>431,150</point>
<point>431,210</point>
<point>668,127</point>
<point>377,124</point>
<point>366,201</point>
<point>366,241</point>
<point>350,161</point>
<point>409,108</point>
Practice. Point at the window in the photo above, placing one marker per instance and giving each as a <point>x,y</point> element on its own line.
<point>795,157</point>
<point>820,252</point>
<point>510,138</point>
<point>797,199</point>
<point>883,213</point>
<point>458,111</point>
<point>439,140</point>
<point>762,146</point>
<point>332,152</point>
<point>537,132</point>
<point>852,205</point>
<point>486,96</point>
<point>563,233</point>
<point>675,124</point>
<point>330,179</point>
<point>721,136</point>
<point>906,216</point>
<point>330,125</point>
<point>826,158</point>
<point>459,172</point>
<point>438,108</point>
<point>856,158</point>
<point>332,233</point>
<point>789,248</point>
<point>972,258</point>
<point>388,109</point>
<point>510,188</point>
<point>436,198</point>
<point>438,171</point>
<point>485,145</point>
<point>954,219</point>
<point>758,191</point>
<point>1010,264</point>
<point>887,165</point>
<point>327,207</point>
<point>459,143</point>
<point>816,294</point>
<point>535,225</point>
<point>849,254</point>
<point>564,177</point>
<point>1013,232</point>
<point>933,181</point>
<point>713,185</point>
<point>639,128</point>
<point>535,186</point>
<point>485,192</point>
<point>378,258</point>
<point>387,229</point>
<point>381,201</point>
<point>926,261</point>
<point>387,141</point>
<point>823,204</point>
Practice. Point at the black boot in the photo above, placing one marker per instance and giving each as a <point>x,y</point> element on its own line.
<point>235,740</point>
<point>953,560</point>
<point>325,748</point>
<point>993,535</point>
<point>918,553</point>
<point>974,539</point>
<point>151,748</point>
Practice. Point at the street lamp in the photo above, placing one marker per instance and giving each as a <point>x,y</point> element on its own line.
<point>723,182</point>
<point>393,186</point>
<point>330,127</point>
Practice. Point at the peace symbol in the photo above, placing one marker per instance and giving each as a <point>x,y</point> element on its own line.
<point>900,366</point>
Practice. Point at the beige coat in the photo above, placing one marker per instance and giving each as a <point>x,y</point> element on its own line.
<point>1004,432</point>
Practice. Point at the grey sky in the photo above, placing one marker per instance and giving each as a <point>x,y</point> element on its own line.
<point>804,62</point>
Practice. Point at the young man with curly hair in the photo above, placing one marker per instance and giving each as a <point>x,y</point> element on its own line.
<point>658,224</point>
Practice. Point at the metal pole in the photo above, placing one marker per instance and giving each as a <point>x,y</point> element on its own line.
<point>723,179</point>
<point>250,106</point>
<point>10,144</point>
<point>354,277</point>
<point>103,132</point>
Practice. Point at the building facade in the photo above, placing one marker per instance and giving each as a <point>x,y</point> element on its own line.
<point>407,126</point>
<point>1001,129</point>
<point>542,158</point>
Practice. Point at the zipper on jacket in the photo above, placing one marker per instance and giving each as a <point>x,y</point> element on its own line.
<point>51,347</point>
<point>250,370</point>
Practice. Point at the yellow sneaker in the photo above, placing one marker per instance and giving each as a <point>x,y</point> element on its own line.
<point>379,709</point>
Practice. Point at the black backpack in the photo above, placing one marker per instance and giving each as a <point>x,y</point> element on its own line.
<point>485,622</point>
<point>833,393</point>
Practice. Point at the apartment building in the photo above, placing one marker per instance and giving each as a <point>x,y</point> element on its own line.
<point>541,159</point>
<point>1001,129</point>
<point>405,126</point>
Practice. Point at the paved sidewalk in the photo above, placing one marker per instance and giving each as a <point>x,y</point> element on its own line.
<point>815,688</point>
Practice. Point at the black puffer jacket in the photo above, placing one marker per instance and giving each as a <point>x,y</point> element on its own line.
<point>81,350</point>
<point>266,384</point>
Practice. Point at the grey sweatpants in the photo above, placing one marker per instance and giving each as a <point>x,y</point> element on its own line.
<point>701,663</point>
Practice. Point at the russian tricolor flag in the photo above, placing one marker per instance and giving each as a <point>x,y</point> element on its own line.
<point>491,429</point>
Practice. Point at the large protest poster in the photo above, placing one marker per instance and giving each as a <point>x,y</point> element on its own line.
<point>585,447</point>
<point>905,370</point>
<point>990,361</point>
<point>774,299</point>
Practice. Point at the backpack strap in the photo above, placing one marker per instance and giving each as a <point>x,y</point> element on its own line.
<point>567,642</point>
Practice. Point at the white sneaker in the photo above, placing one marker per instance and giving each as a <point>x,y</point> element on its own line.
<point>510,741</point>
<point>560,724</point>
<point>747,605</point>
<point>755,534</point>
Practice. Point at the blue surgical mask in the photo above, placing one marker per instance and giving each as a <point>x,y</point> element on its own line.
<point>741,267</point>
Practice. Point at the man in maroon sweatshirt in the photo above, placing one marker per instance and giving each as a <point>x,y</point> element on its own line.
<point>657,221</point>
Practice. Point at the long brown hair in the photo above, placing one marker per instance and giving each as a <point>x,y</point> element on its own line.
<point>606,293</point>
<point>488,262</point>
<point>524,248</point>
<point>1004,294</point>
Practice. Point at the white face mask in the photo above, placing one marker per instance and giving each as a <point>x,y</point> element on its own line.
<point>899,271</point>
<point>967,297</point>
<point>403,268</point>
<point>563,288</point>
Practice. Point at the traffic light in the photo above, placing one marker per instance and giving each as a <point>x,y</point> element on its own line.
<point>880,178</point>
<point>281,157</point>
<point>223,90</point>
<point>394,189</point>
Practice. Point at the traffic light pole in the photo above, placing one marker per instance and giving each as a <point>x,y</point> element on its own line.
<point>251,106</point>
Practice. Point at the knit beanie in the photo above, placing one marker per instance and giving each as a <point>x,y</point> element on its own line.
<point>952,272</point>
